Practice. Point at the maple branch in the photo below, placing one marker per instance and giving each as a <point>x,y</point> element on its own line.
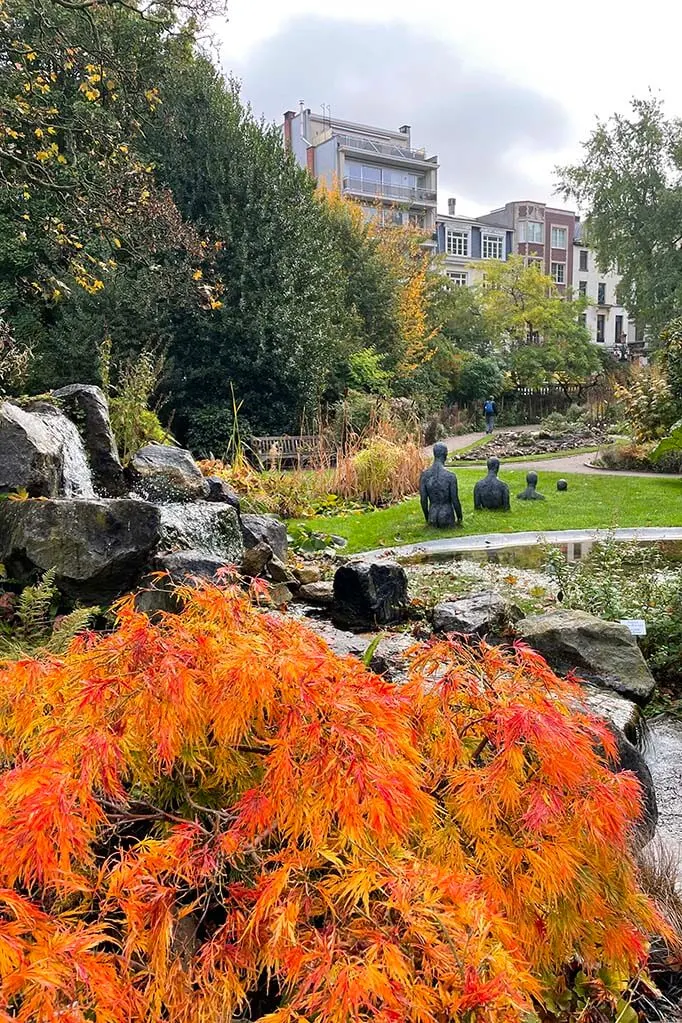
<point>148,812</point>
<point>479,749</point>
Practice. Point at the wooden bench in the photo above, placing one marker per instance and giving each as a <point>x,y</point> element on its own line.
<point>286,452</point>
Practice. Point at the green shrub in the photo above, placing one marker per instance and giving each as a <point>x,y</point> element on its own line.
<point>639,458</point>
<point>134,423</point>
<point>211,431</point>
<point>648,404</point>
<point>621,580</point>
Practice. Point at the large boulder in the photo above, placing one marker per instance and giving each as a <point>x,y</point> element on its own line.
<point>604,653</point>
<point>211,529</point>
<point>164,474</point>
<point>319,594</point>
<point>389,657</point>
<point>265,529</point>
<point>343,643</point>
<point>180,568</point>
<point>664,755</point>
<point>369,593</point>
<point>42,453</point>
<point>221,492</point>
<point>479,614</point>
<point>98,548</point>
<point>87,406</point>
<point>626,723</point>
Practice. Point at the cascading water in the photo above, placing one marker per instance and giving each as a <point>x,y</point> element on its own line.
<point>209,528</point>
<point>76,476</point>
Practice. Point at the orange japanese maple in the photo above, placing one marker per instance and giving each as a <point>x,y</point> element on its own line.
<point>213,814</point>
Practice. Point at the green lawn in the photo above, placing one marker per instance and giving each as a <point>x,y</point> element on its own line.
<point>601,502</point>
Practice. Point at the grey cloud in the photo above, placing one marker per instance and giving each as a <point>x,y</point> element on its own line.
<point>391,74</point>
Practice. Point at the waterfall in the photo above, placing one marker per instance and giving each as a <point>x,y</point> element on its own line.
<point>212,529</point>
<point>76,476</point>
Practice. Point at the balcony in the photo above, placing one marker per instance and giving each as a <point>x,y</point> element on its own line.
<point>365,145</point>
<point>399,193</point>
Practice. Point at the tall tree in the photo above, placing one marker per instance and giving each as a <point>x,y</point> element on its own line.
<point>629,183</point>
<point>279,321</point>
<point>536,327</point>
<point>79,204</point>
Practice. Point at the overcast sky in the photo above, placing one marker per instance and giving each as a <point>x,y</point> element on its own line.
<point>502,91</point>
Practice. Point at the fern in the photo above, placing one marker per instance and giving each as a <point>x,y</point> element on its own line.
<point>69,627</point>
<point>36,631</point>
<point>35,606</point>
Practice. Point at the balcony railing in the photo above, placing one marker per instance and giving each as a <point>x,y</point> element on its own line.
<point>402,193</point>
<point>380,148</point>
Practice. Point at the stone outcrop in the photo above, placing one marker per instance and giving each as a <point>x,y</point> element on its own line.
<point>603,653</point>
<point>369,593</point>
<point>265,529</point>
<point>98,548</point>
<point>389,657</point>
<point>480,614</point>
<point>319,594</point>
<point>164,474</point>
<point>222,492</point>
<point>342,642</point>
<point>211,529</point>
<point>87,406</point>
<point>41,452</point>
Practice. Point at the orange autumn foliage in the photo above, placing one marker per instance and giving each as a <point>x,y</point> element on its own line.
<point>407,263</point>
<point>214,814</point>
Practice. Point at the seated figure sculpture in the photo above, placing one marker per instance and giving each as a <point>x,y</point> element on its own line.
<point>491,493</point>
<point>530,493</point>
<point>438,492</point>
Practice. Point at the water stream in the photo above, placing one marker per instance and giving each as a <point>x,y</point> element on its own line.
<point>76,476</point>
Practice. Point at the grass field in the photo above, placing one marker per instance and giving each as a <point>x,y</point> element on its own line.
<point>601,502</point>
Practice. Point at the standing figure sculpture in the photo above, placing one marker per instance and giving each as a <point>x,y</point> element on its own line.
<point>491,493</point>
<point>530,493</point>
<point>438,492</point>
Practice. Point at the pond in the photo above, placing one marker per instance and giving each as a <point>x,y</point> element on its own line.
<point>532,556</point>
<point>526,550</point>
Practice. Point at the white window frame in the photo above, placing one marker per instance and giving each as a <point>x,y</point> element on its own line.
<point>536,261</point>
<point>601,340</point>
<point>492,241</point>
<point>582,289</point>
<point>559,227</point>
<point>524,232</point>
<point>459,278</point>
<point>460,242</point>
<point>558,272</point>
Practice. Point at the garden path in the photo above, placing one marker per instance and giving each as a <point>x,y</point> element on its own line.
<point>567,464</point>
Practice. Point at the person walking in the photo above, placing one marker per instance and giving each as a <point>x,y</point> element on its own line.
<point>490,411</point>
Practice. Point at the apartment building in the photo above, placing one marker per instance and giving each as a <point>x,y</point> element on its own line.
<point>464,241</point>
<point>377,167</point>
<point>607,321</point>
<point>542,234</point>
<point>552,238</point>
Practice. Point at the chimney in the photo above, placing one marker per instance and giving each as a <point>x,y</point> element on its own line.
<point>452,206</point>
<point>404,129</point>
<point>288,118</point>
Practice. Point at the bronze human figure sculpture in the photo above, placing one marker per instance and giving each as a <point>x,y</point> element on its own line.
<point>491,493</point>
<point>530,493</point>
<point>438,492</point>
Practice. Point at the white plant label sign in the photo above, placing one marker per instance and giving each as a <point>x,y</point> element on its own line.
<point>637,626</point>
